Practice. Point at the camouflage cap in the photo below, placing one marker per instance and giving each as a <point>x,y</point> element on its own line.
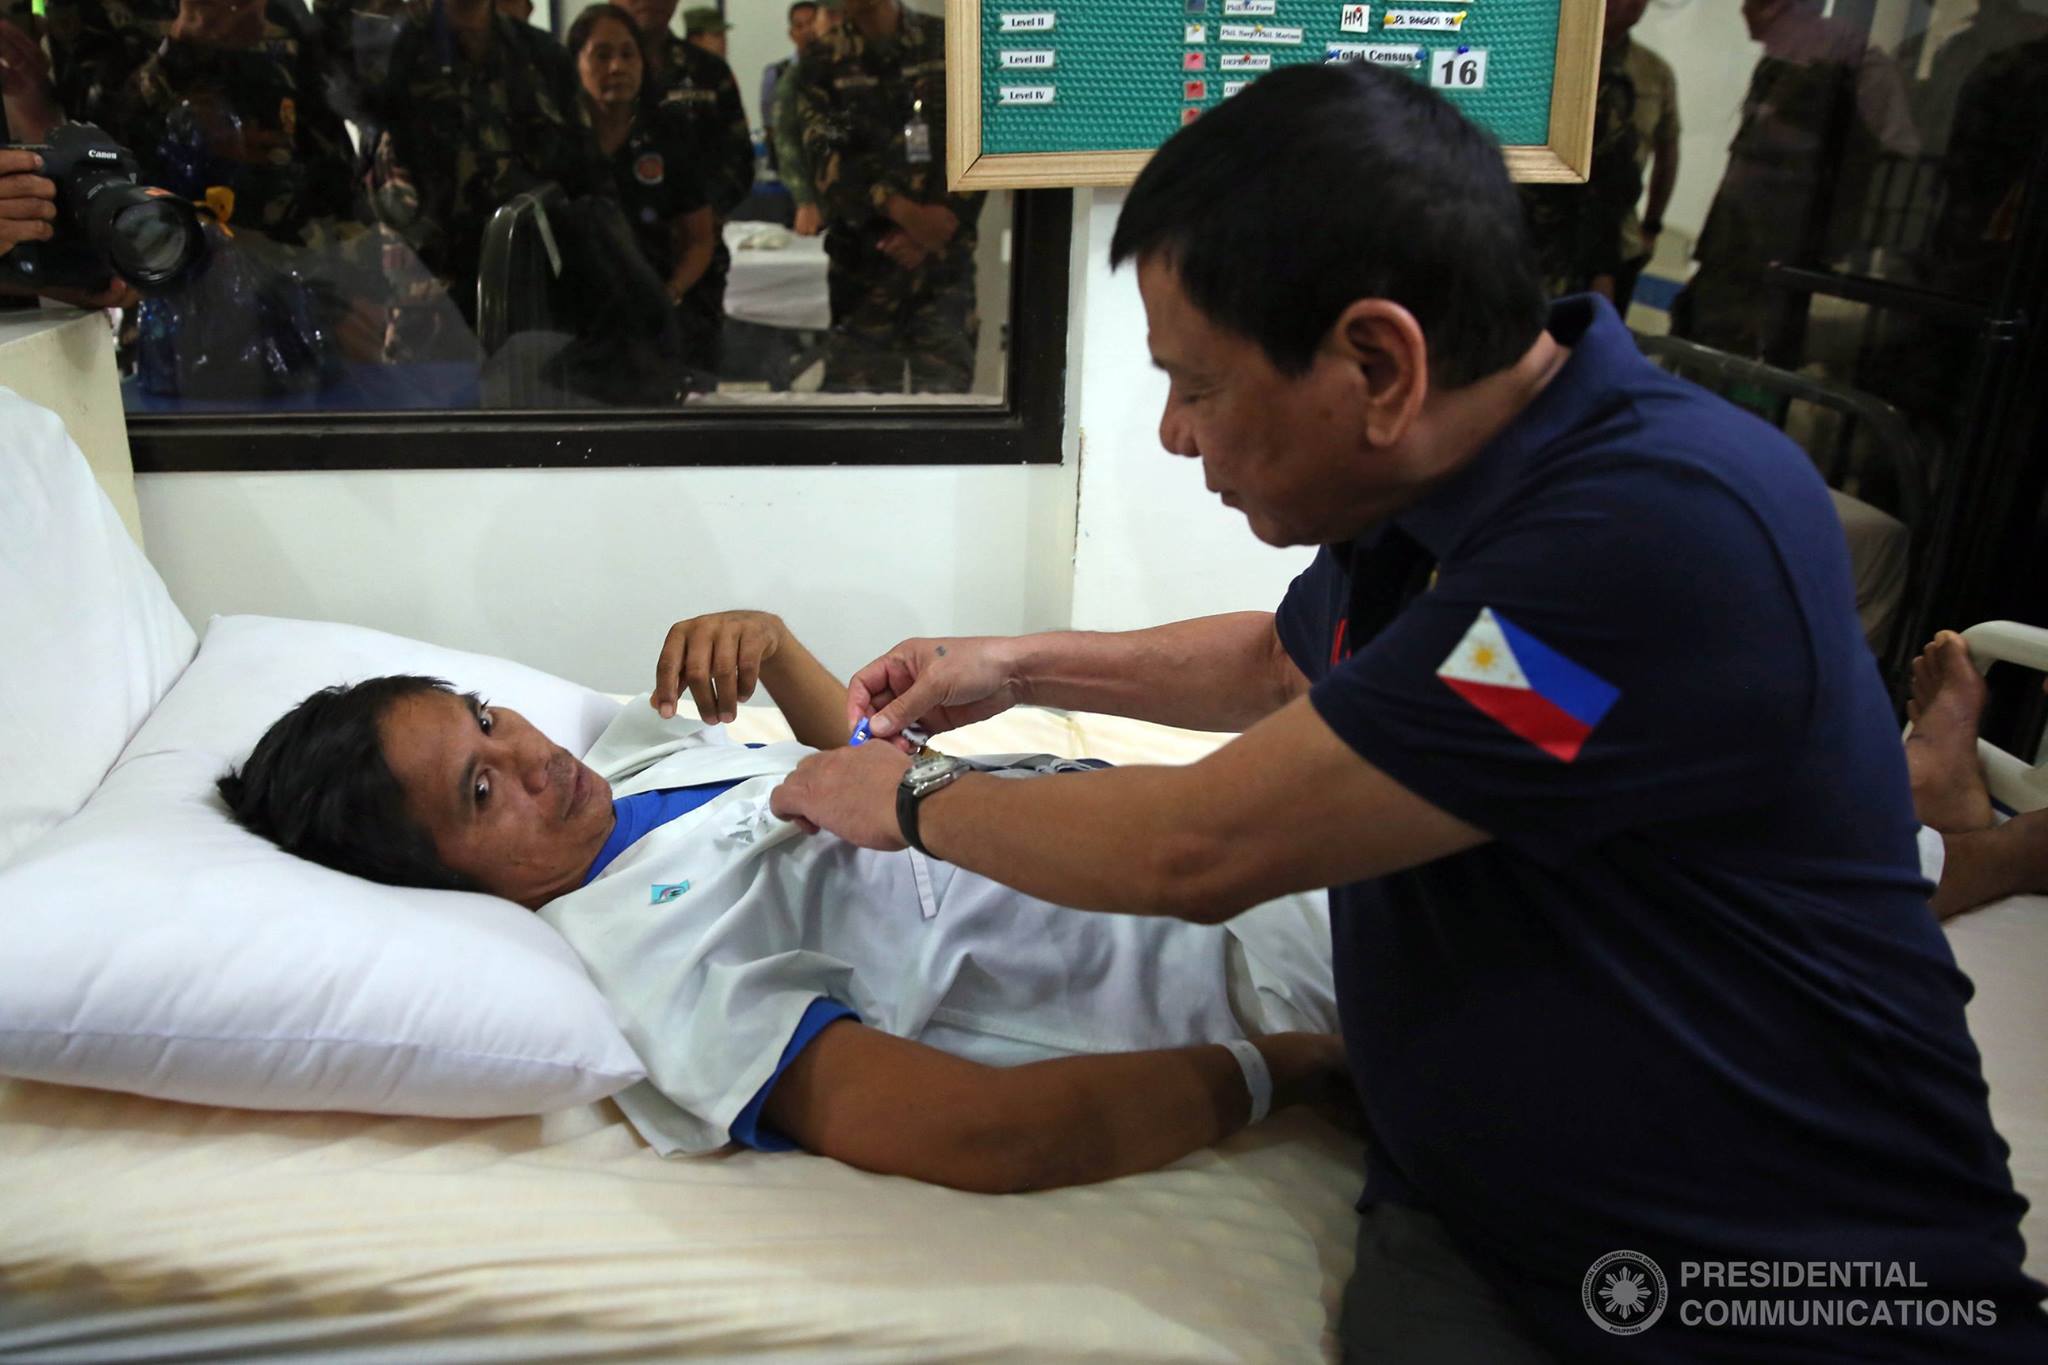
<point>704,19</point>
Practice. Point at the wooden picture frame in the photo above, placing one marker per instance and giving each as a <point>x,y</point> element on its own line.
<point>1565,159</point>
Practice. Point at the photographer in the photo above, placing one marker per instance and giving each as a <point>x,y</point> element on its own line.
<point>28,203</point>
<point>28,213</point>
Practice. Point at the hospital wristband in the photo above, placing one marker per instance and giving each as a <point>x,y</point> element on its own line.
<point>1257,1079</point>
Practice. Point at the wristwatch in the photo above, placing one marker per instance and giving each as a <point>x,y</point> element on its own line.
<point>928,774</point>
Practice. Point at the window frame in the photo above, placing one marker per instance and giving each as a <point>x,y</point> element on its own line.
<point>1026,427</point>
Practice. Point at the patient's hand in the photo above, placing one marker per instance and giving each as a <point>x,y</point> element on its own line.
<point>851,792</point>
<point>718,657</point>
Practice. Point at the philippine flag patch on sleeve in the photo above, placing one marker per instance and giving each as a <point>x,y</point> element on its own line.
<point>1527,686</point>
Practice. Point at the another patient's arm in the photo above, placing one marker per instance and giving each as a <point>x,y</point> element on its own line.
<point>897,1107</point>
<point>718,658</point>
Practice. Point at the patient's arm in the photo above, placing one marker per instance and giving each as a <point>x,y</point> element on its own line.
<point>718,658</point>
<point>898,1107</point>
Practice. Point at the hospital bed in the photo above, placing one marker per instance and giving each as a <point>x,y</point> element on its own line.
<point>134,1228</point>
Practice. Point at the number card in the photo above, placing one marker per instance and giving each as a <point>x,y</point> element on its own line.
<point>1458,68</point>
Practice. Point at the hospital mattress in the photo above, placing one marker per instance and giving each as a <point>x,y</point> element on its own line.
<point>137,1229</point>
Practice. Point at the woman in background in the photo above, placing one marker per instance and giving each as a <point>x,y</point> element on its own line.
<point>649,152</point>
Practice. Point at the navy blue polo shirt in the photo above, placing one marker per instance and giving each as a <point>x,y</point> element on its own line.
<point>1690,1001</point>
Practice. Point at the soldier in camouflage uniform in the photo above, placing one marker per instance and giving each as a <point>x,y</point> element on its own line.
<point>357,38</point>
<point>786,130</point>
<point>478,109</point>
<point>698,89</point>
<point>96,45</point>
<point>871,100</point>
<point>701,88</point>
<point>1577,229</point>
<point>231,102</point>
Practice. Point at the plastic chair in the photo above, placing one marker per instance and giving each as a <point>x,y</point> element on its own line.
<point>521,259</point>
<point>1872,455</point>
<point>1891,441</point>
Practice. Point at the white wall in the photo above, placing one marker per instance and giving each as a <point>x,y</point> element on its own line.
<point>1153,544</point>
<point>760,35</point>
<point>579,571</point>
<point>1712,56</point>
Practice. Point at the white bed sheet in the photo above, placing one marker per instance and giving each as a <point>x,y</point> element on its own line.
<point>2004,950</point>
<point>135,1229</point>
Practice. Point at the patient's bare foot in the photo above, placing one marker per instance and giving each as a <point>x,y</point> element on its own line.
<point>1941,753</point>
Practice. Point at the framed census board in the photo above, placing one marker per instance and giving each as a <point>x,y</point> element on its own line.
<point>1044,93</point>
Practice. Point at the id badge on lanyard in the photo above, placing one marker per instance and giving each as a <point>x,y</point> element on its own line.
<point>917,136</point>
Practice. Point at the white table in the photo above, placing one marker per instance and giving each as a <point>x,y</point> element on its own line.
<point>781,286</point>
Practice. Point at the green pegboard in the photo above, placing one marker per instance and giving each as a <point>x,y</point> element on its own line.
<point>1121,69</point>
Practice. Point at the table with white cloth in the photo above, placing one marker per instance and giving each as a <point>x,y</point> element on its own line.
<point>779,280</point>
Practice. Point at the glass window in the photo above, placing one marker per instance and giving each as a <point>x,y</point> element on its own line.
<point>596,211</point>
<point>1833,188</point>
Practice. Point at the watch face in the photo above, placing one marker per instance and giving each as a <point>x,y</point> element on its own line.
<point>933,769</point>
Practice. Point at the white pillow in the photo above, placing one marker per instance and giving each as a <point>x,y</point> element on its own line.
<point>150,944</point>
<point>89,636</point>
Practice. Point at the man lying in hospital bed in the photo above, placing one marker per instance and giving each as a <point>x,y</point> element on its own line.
<point>894,1012</point>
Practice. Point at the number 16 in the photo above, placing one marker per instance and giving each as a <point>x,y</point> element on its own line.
<point>1454,70</point>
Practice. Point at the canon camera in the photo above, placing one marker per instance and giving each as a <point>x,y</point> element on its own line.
<point>107,224</point>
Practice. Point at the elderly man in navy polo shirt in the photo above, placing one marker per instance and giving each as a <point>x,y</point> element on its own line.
<point>1662,1054</point>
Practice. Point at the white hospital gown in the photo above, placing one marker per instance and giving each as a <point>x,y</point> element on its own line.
<point>709,985</point>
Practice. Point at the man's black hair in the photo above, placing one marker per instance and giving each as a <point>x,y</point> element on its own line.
<point>1321,185</point>
<point>317,785</point>
<point>790,17</point>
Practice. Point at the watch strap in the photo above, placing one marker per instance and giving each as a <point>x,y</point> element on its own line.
<point>910,793</point>
<point>906,818</point>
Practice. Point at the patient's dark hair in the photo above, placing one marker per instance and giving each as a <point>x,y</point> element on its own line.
<point>317,785</point>
<point>1322,185</point>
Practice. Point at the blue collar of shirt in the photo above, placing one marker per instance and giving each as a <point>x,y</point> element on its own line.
<point>631,818</point>
<point>1603,355</point>
<point>634,816</point>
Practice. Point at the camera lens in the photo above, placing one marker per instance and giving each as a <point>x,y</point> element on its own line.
<point>152,240</point>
